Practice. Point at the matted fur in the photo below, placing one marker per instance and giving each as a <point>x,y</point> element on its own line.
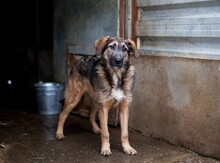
<point>108,78</point>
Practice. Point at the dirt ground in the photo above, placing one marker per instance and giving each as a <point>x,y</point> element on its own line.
<point>27,137</point>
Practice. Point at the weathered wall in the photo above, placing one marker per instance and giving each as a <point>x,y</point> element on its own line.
<point>177,100</point>
<point>79,23</point>
<point>177,92</point>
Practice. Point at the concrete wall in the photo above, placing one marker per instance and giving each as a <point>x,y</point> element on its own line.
<point>177,100</point>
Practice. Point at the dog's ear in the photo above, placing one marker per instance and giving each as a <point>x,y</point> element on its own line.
<point>132,48</point>
<point>100,43</point>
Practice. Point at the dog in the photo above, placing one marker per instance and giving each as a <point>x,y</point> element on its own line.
<point>108,77</point>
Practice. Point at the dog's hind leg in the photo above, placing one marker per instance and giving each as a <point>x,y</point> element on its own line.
<point>70,103</point>
<point>93,112</point>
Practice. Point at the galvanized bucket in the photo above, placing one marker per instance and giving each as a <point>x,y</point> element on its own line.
<point>49,97</point>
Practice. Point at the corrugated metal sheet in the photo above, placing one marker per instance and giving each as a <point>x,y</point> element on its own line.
<point>189,28</point>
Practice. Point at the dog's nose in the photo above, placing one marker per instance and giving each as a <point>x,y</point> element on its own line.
<point>118,61</point>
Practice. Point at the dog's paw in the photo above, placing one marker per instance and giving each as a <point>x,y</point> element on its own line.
<point>106,152</point>
<point>97,130</point>
<point>59,136</point>
<point>129,150</point>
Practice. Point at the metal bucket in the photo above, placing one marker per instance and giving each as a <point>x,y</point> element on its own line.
<point>49,97</point>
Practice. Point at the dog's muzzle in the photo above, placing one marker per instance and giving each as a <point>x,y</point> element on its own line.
<point>117,62</point>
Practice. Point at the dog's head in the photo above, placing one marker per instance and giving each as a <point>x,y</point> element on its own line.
<point>116,50</point>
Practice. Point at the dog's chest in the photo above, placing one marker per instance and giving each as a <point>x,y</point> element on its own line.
<point>117,93</point>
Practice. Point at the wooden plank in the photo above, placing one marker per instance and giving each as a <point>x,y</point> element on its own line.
<point>134,19</point>
<point>122,18</point>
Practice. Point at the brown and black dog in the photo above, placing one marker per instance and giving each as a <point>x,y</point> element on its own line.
<point>108,77</point>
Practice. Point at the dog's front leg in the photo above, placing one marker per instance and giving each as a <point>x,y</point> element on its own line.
<point>103,117</point>
<point>124,114</point>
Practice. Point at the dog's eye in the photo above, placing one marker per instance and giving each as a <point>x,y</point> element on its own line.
<point>124,49</point>
<point>112,46</point>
